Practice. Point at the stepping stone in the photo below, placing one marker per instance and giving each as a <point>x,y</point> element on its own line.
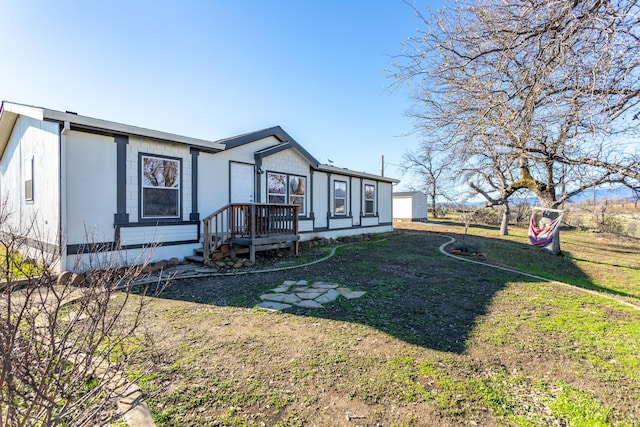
<point>310,294</point>
<point>280,289</point>
<point>309,303</point>
<point>349,294</point>
<point>273,306</point>
<point>302,282</point>
<point>300,289</point>
<point>288,298</point>
<point>324,285</point>
<point>288,283</point>
<point>328,296</point>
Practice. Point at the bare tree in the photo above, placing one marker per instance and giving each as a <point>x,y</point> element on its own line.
<point>61,344</point>
<point>552,86</point>
<point>434,167</point>
<point>635,196</point>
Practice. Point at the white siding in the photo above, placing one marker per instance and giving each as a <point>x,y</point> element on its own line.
<point>320,202</point>
<point>287,161</point>
<point>346,232</point>
<point>161,234</point>
<point>369,221</point>
<point>385,202</point>
<point>305,225</point>
<point>213,174</point>
<point>340,223</point>
<point>356,200</point>
<point>91,188</point>
<point>419,206</point>
<point>213,183</point>
<point>33,142</point>
<point>129,257</point>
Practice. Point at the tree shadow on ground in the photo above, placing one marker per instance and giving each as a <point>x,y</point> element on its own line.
<point>413,292</point>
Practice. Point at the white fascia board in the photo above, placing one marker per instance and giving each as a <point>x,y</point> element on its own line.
<point>23,110</point>
<point>130,130</point>
<point>9,113</point>
<point>7,121</point>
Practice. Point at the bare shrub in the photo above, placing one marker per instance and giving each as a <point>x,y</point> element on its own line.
<point>62,344</point>
<point>487,216</point>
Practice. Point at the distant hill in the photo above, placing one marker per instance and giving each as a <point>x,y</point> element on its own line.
<point>603,193</point>
<point>618,193</point>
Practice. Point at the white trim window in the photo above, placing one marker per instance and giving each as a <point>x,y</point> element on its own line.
<point>284,188</point>
<point>339,197</point>
<point>297,192</point>
<point>276,188</point>
<point>28,180</point>
<point>160,187</point>
<point>369,199</point>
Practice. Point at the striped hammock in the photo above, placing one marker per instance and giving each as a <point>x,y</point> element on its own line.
<point>542,236</point>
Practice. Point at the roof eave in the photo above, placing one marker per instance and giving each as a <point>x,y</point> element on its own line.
<point>349,172</point>
<point>129,130</point>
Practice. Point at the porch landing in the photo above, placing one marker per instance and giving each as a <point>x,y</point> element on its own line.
<point>248,228</point>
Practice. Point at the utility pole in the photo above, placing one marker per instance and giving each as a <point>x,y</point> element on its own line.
<point>382,170</point>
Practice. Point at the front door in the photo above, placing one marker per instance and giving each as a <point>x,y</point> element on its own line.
<point>242,183</point>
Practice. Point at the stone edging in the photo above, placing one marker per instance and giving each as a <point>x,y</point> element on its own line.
<point>151,280</point>
<point>532,276</point>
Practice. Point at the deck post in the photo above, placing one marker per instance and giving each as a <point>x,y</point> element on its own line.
<point>295,229</point>
<point>252,234</point>
<point>206,239</point>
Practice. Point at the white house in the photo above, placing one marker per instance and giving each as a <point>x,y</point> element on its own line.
<point>409,206</point>
<point>95,186</point>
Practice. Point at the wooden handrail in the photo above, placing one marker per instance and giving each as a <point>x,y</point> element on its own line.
<point>250,220</point>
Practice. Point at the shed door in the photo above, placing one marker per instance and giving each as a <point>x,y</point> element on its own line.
<point>242,183</point>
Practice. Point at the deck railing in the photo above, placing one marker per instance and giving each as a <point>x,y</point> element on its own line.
<point>250,220</point>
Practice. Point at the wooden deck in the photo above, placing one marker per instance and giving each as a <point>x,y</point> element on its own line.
<point>252,226</point>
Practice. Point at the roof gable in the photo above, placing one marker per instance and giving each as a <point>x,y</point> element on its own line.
<point>286,142</point>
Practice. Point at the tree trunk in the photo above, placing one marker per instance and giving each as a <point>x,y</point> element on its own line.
<point>433,205</point>
<point>555,244</point>
<point>504,225</point>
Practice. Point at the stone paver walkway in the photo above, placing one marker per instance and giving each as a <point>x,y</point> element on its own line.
<point>304,294</point>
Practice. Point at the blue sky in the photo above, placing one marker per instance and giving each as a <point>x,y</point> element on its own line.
<point>215,69</point>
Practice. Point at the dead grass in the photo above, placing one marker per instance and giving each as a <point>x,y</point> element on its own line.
<point>434,342</point>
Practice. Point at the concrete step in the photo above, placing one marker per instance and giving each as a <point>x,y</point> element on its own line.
<point>195,258</point>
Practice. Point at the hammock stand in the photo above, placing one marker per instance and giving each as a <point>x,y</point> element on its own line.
<point>542,235</point>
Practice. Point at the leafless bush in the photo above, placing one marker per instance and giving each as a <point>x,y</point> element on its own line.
<point>62,344</point>
<point>487,216</point>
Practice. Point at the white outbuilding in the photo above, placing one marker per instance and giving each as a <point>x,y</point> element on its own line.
<point>409,206</point>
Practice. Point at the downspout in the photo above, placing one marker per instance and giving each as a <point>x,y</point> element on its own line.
<point>62,169</point>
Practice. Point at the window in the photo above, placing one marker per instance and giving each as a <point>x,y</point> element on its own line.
<point>277,188</point>
<point>28,180</point>
<point>369,199</point>
<point>283,188</point>
<point>160,190</point>
<point>339,197</point>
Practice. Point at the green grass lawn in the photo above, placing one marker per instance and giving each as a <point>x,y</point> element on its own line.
<point>435,341</point>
